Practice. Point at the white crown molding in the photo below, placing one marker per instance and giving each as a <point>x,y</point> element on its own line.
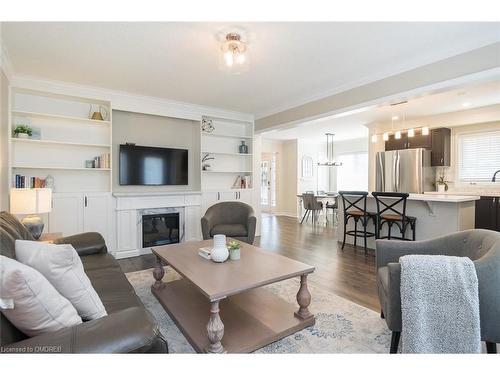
<point>390,71</point>
<point>130,102</point>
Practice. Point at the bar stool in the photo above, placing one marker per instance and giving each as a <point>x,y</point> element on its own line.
<point>354,203</point>
<point>392,211</point>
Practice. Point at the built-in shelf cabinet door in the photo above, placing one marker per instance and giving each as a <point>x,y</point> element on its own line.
<point>74,213</point>
<point>66,216</point>
<point>96,213</point>
<point>126,230</point>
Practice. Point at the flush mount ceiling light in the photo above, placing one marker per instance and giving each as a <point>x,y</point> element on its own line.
<point>234,54</point>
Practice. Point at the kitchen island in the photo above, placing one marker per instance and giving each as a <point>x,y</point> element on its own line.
<point>437,215</point>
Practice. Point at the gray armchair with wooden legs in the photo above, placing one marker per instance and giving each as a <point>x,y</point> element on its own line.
<point>481,246</point>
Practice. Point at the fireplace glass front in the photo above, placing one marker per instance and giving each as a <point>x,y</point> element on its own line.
<point>160,229</point>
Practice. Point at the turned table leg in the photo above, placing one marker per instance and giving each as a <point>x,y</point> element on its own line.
<point>158,273</point>
<point>303,299</point>
<point>215,329</point>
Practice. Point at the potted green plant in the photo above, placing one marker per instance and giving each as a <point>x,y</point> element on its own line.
<point>442,184</point>
<point>234,250</point>
<point>22,131</point>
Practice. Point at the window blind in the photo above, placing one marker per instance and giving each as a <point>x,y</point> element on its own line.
<point>479,156</point>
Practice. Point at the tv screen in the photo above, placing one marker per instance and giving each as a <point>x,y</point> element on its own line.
<point>141,165</point>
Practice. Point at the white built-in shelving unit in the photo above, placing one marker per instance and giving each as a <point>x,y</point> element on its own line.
<point>68,137</point>
<point>223,145</point>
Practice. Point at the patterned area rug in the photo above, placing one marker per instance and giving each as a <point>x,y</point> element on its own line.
<point>341,326</point>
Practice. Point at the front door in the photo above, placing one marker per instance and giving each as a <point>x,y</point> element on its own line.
<point>268,182</point>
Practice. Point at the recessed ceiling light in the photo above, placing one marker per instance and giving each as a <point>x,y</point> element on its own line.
<point>395,118</point>
<point>465,104</point>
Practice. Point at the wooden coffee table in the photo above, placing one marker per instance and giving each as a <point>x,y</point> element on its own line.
<point>220,307</point>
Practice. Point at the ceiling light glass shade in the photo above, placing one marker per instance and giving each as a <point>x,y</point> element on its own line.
<point>385,137</point>
<point>425,130</point>
<point>374,138</point>
<point>395,118</point>
<point>234,56</point>
<point>397,135</point>
<point>411,133</point>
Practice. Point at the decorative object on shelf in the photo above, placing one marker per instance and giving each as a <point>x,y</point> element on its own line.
<point>23,131</point>
<point>89,163</point>
<point>22,182</point>
<point>234,250</point>
<point>237,182</point>
<point>442,184</point>
<point>219,253</point>
<point>204,165</point>
<point>50,183</point>
<point>234,58</point>
<point>207,126</point>
<point>98,112</point>
<point>31,202</point>
<point>243,148</point>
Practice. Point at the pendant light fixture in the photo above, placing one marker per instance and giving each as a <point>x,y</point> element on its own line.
<point>329,153</point>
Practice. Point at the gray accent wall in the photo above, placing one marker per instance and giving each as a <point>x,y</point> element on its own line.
<point>159,131</point>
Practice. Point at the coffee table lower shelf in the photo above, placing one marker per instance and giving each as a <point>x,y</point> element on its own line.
<point>252,319</point>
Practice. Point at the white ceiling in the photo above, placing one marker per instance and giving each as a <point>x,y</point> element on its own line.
<point>353,125</point>
<point>290,62</point>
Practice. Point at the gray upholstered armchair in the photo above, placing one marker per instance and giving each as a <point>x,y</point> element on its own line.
<point>481,246</point>
<point>234,219</point>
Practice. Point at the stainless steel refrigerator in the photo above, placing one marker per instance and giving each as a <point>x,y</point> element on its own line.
<point>405,171</point>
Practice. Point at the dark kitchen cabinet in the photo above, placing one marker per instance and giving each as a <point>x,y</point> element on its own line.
<point>438,141</point>
<point>419,140</point>
<point>396,144</point>
<point>441,147</point>
<point>488,213</point>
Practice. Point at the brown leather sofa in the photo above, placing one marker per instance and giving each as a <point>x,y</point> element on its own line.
<point>128,328</point>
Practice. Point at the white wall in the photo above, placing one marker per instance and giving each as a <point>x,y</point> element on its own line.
<point>4,134</point>
<point>149,130</point>
<point>286,174</point>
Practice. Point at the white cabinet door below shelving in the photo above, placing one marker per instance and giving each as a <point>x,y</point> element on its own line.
<point>67,214</point>
<point>96,214</point>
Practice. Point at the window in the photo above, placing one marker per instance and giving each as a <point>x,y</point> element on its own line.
<point>353,174</point>
<point>479,156</point>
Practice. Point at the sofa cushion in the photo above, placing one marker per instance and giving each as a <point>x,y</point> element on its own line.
<point>62,267</point>
<point>11,230</point>
<point>113,288</point>
<point>30,302</point>
<point>230,230</point>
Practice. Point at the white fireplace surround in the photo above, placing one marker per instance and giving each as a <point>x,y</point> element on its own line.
<point>131,206</point>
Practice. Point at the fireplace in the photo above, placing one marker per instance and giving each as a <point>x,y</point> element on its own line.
<point>162,227</point>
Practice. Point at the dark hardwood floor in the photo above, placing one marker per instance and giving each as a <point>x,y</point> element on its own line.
<point>345,273</point>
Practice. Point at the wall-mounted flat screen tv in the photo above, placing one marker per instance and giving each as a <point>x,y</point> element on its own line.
<point>141,165</point>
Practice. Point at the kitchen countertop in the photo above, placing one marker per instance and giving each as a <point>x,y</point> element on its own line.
<point>464,193</point>
<point>447,198</point>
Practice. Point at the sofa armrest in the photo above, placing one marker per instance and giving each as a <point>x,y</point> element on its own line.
<point>85,243</point>
<point>133,330</point>
<point>206,227</point>
<point>251,227</point>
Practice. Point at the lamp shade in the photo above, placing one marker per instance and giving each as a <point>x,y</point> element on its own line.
<point>30,201</point>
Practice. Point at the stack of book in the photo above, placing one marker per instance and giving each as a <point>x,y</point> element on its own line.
<point>21,182</point>
<point>102,161</point>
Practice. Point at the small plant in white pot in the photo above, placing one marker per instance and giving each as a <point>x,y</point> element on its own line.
<point>22,131</point>
<point>442,184</point>
<point>234,250</point>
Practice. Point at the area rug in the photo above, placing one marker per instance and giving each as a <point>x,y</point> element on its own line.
<point>341,326</point>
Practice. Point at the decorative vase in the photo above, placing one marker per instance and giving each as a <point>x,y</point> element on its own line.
<point>49,183</point>
<point>243,148</point>
<point>234,254</point>
<point>220,252</point>
<point>441,188</point>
